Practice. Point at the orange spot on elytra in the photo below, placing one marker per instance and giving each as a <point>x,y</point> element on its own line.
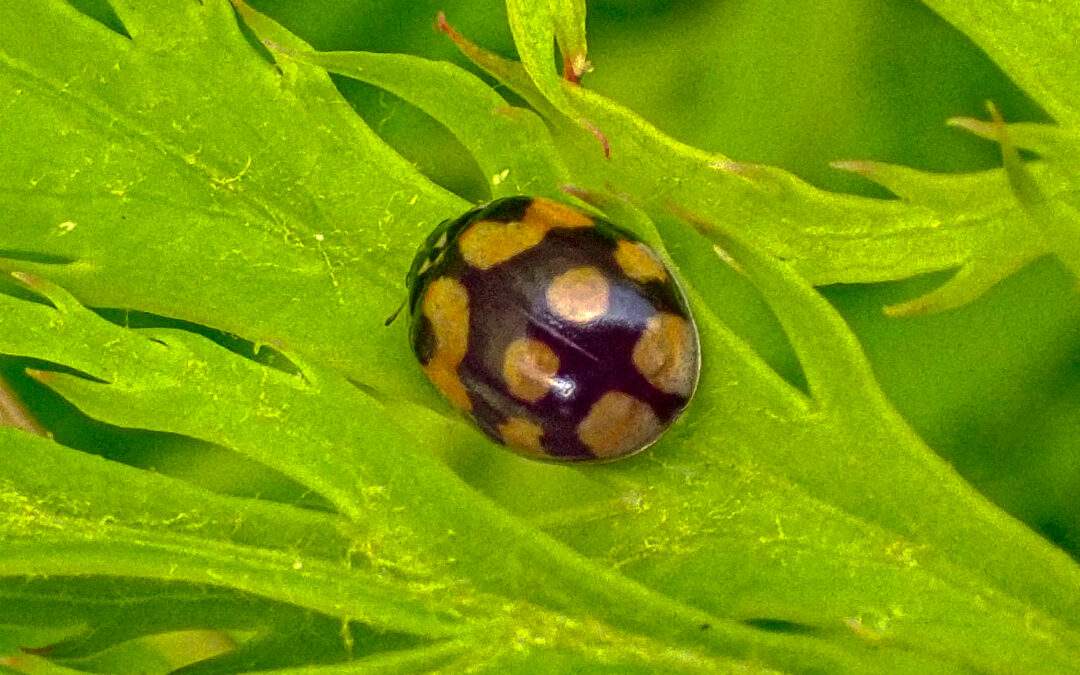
<point>638,262</point>
<point>446,305</point>
<point>528,368</point>
<point>553,214</point>
<point>486,243</point>
<point>666,354</point>
<point>618,424</point>
<point>520,433</point>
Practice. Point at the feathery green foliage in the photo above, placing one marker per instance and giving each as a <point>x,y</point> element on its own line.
<point>204,167</point>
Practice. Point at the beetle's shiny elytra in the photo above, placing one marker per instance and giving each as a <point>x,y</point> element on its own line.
<point>561,335</point>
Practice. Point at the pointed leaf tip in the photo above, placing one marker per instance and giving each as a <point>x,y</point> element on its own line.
<point>568,19</point>
<point>746,170</point>
<point>443,25</point>
<point>859,166</point>
<point>59,297</point>
<point>42,376</point>
<point>1021,182</point>
<point>980,128</point>
<point>25,278</point>
<point>600,136</point>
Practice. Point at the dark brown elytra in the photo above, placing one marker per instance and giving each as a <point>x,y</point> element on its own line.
<point>509,300</point>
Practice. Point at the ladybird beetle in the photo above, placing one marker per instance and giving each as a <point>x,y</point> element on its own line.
<point>560,334</point>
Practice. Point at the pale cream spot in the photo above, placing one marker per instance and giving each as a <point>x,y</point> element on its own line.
<point>666,354</point>
<point>520,433</point>
<point>579,295</point>
<point>618,424</point>
<point>446,305</point>
<point>638,262</point>
<point>528,368</point>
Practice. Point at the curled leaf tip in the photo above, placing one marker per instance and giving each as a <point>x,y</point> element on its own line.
<point>570,74</point>
<point>1021,181</point>
<point>971,280</point>
<point>1001,131</point>
<point>937,300</point>
<point>994,130</point>
<point>574,66</point>
<point>997,124</point>
<point>903,309</point>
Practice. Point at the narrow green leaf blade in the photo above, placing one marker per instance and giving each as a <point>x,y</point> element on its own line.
<point>401,503</point>
<point>157,529</point>
<point>1033,41</point>
<point>828,237</point>
<point>156,192</point>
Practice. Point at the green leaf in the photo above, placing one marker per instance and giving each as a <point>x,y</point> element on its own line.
<point>771,529</point>
<point>162,530</point>
<point>569,18</point>
<point>1033,209</point>
<point>401,503</point>
<point>828,237</point>
<point>16,637</point>
<point>159,194</point>
<point>1054,209</point>
<point>1032,42</point>
<point>274,633</point>
<point>1009,238</point>
<point>534,26</point>
<point>894,542</point>
<point>158,653</point>
<point>511,144</point>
